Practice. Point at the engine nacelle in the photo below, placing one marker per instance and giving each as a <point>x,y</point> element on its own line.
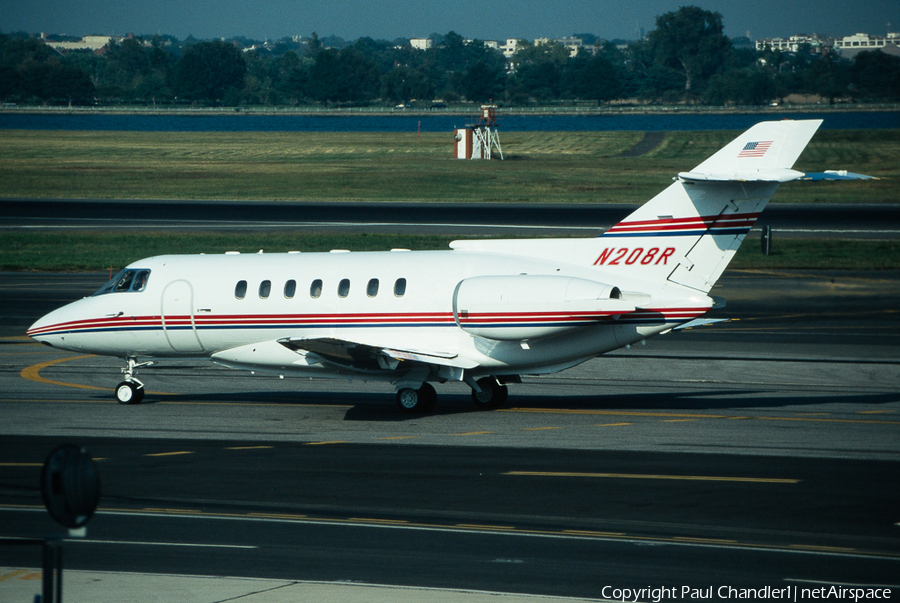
<point>532,306</point>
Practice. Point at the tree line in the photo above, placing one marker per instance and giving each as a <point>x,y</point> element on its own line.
<point>686,58</point>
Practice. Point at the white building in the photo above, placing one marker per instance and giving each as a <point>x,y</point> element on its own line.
<point>510,47</point>
<point>850,46</point>
<point>421,43</point>
<point>573,45</point>
<point>92,43</point>
<point>793,43</point>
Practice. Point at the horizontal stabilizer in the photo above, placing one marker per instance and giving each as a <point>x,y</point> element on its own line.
<point>769,175</point>
<point>836,175</point>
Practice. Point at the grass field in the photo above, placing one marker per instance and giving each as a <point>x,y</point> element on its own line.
<point>550,167</point>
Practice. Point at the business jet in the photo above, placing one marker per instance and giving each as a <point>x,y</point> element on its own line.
<point>483,312</point>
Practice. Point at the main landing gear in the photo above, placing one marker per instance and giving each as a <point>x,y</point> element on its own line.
<point>131,391</point>
<point>493,394</point>
<point>487,393</point>
<point>419,400</point>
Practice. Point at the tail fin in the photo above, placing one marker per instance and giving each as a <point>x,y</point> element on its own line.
<point>689,232</point>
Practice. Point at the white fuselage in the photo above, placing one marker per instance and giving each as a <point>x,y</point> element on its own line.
<point>401,300</point>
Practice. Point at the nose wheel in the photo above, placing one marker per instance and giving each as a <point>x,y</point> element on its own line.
<point>131,391</point>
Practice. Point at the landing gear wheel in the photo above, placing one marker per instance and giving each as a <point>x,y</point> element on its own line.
<point>128,392</point>
<point>492,395</point>
<point>419,400</point>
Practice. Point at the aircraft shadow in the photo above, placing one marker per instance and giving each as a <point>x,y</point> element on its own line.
<point>382,407</point>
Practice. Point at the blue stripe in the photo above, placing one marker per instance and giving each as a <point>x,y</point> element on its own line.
<point>244,327</point>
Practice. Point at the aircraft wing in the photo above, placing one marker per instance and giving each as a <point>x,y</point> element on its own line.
<point>368,357</point>
<point>699,322</point>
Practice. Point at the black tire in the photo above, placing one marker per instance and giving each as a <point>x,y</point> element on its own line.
<point>128,392</point>
<point>419,400</point>
<point>429,397</point>
<point>492,395</point>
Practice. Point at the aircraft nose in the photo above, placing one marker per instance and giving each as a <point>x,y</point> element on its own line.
<point>50,329</point>
<point>42,328</point>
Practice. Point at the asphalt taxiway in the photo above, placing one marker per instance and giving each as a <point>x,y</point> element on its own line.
<point>849,221</point>
<point>758,452</point>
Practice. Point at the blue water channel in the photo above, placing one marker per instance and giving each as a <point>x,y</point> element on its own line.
<point>237,122</point>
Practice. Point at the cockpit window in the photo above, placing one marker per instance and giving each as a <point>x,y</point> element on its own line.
<point>127,280</point>
<point>140,280</point>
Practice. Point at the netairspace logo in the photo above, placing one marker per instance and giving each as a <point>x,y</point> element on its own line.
<point>787,593</point>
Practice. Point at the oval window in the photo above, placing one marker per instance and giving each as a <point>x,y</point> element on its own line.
<point>265,288</point>
<point>240,290</point>
<point>400,287</point>
<point>344,287</point>
<point>290,288</point>
<point>372,288</point>
<point>315,289</point>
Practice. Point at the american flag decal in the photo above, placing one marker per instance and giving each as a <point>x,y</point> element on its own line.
<point>755,149</point>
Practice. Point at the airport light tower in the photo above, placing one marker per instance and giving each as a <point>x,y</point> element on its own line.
<point>479,140</point>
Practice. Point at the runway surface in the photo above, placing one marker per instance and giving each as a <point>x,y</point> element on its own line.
<point>474,219</point>
<point>758,452</point>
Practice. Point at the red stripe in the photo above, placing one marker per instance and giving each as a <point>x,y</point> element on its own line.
<point>684,223</point>
<point>345,319</point>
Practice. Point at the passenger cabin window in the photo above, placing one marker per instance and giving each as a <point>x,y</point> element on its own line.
<point>265,288</point>
<point>400,287</point>
<point>131,280</point>
<point>240,290</point>
<point>372,288</point>
<point>290,288</point>
<point>315,289</point>
<point>344,287</point>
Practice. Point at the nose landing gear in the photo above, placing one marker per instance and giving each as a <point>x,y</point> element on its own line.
<point>131,391</point>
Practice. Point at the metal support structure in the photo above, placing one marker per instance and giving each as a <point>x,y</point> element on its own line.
<point>52,565</point>
<point>53,571</point>
<point>131,366</point>
<point>486,139</point>
<point>481,139</point>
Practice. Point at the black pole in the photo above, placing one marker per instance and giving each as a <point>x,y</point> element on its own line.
<point>59,571</point>
<point>52,571</point>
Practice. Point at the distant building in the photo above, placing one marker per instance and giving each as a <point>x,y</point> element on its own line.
<point>792,44</point>
<point>510,47</point>
<point>92,43</point>
<point>850,46</point>
<point>573,45</point>
<point>421,43</point>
